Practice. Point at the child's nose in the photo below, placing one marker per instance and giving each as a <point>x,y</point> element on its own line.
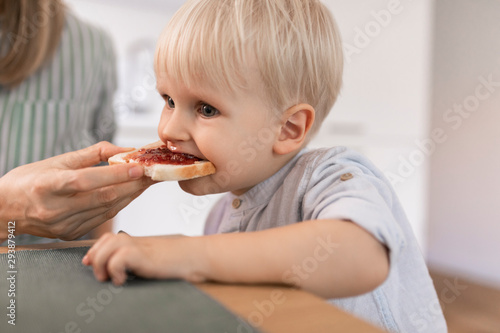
<point>174,127</point>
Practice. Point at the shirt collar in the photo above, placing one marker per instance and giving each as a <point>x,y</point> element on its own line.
<point>262,192</point>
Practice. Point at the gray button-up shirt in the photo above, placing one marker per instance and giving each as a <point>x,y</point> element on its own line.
<point>338,183</point>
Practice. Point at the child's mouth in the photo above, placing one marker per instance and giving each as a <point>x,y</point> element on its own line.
<point>175,148</point>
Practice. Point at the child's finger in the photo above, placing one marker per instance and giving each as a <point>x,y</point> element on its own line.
<point>118,264</point>
<point>88,258</point>
<point>105,248</point>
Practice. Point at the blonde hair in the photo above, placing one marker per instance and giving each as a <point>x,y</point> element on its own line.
<point>294,46</point>
<point>30,33</point>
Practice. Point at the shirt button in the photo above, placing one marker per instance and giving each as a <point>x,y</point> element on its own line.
<point>236,203</point>
<point>346,176</point>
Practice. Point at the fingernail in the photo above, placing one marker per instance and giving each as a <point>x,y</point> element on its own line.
<point>136,172</point>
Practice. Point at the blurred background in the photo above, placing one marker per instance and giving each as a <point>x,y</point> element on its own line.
<point>421,98</point>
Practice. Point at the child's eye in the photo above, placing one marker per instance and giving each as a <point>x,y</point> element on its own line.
<point>170,101</point>
<point>208,111</point>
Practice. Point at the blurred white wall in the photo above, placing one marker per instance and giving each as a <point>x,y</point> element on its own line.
<point>383,110</point>
<point>464,200</point>
<point>134,26</point>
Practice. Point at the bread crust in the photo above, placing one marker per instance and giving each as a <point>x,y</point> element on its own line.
<point>167,172</point>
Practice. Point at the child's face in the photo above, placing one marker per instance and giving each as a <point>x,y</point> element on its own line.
<point>236,132</point>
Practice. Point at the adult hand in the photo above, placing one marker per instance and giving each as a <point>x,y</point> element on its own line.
<point>64,196</point>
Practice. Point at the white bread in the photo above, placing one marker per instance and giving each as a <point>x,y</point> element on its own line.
<point>164,172</point>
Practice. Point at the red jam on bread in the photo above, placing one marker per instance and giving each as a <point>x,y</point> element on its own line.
<point>161,155</point>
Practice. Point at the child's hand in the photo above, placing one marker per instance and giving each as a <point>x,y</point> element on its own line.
<point>112,256</point>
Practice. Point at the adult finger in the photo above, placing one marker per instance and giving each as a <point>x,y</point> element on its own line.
<point>90,156</point>
<point>92,219</point>
<point>102,200</point>
<point>52,209</point>
<point>89,179</point>
<point>79,224</point>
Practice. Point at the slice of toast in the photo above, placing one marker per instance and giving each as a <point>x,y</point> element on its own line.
<point>164,171</point>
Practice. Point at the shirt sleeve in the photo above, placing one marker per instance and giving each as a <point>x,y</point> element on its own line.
<point>350,190</point>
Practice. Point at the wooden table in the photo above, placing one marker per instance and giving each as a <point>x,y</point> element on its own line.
<point>267,307</point>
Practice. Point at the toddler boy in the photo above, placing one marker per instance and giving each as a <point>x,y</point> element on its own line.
<point>246,85</point>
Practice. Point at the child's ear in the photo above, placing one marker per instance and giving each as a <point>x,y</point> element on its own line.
<point>295,124</point>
